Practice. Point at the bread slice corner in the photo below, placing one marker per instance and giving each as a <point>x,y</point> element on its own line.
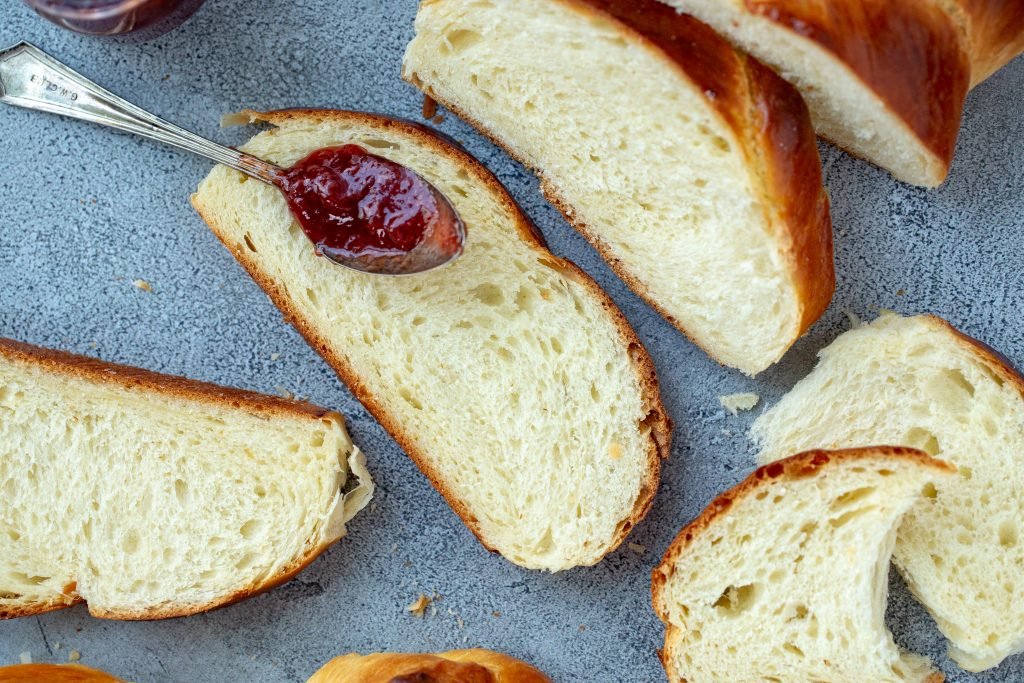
<point>148,496</point>
<point>918,382</point>
<point>785,577</point>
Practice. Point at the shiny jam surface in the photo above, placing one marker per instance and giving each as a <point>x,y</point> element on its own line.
<point>352,203</point>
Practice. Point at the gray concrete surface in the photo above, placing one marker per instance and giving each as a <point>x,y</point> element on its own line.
<point>85,211</point>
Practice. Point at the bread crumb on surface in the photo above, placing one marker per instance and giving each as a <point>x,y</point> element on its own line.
<point>419,608</point>
<point>429,107</point>
<point>854,319</point>
<point>495,614</point>
<point>26,657</point>
<point>143,285</point>
<point>74,656</point>
<point>734,403</point>
<point>274,356</point>
<point>284,393</point>
<point>637,548</point>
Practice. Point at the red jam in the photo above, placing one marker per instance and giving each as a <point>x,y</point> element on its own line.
<point>351,203</point>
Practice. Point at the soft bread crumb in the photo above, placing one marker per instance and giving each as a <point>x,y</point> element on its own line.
<point>916,382</point>
<point>143,285</point>
<point>734,403</point>
<point>26,657</point>
<point>419,607</point>
<point>74,656</point>
<point>746,590</point>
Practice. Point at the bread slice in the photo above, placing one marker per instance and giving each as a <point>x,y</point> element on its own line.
<point>918,382</point>
<point>509,376</point>
<point>693,169</point>
<point>150,496</point>
<point>785,577</point>
<point>884,80</point>
<point>53,673</point>
<point>994,32</point>
<point>461,666</point>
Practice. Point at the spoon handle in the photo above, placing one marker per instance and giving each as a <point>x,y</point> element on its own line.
<point>32,79</point>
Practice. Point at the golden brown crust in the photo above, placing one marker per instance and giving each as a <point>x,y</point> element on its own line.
<point>769,120</point>
<point>994,31</point>
<point>461,666</point>
<point>136,379</point>
<point>54,673</point>
<point>794,468</point>
<point>910,54</point>
<point>657,419</point>
<point>91,369</point>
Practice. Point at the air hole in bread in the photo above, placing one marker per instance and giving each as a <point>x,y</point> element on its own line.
<point>851,497</point>
<point>1008,534</point>
<point>848,516</point>
<point>459,40</point>
<point>249,243</point>
<point>318,438</point>
<point>131,542</point>
<point>377,143</point>
<point>790,647</point>
<point>251,529</point>
<point>408,397</point>
<point>246,561</point>
<point>181,491</point>
<point>922,439</point>
<point>489,294</point>
<point>736,599</point>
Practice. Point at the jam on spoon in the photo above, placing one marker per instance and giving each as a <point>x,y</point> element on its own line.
<point>356,205</point>
<point>361,211</point>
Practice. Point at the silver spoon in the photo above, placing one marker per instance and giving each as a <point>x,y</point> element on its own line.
<point>32,79</point>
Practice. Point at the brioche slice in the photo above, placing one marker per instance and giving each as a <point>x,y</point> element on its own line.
<point>785,577</point>
<point>693,169</point>
<point>509,377</point>
<point>53,673</point>
<point>150,496</point>
<point>884,80</point>
<point>994,32</point>
<point>461,666</point>
<point>918,382</point>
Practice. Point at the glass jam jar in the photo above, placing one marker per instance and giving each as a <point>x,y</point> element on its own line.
<point>135,19</point>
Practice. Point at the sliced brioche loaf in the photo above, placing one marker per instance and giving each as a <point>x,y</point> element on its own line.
<point>461,666</point>
<point>884,80</point>
<point>692,168</point>
<point>785,577</point>
<point>918,382</point>
<point>150,496</point>
<point>53,673</point>
<point>509,377</point>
